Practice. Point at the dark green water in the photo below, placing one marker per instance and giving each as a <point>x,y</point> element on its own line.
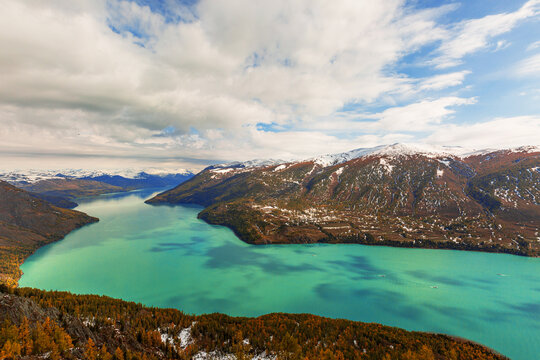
<point>164,256</point>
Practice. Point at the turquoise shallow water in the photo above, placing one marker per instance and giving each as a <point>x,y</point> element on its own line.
<point>164,256</point>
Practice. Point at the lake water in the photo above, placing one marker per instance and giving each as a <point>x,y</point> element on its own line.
<point>164,256</point>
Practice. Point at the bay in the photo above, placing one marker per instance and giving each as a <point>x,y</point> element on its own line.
<point>164,256</point>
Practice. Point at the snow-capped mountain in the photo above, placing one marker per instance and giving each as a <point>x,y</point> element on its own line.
<point>246,164</point>
<point>62,187</point>
<point>30,176</point>
<point>393,150</point>
<point>399,195</point>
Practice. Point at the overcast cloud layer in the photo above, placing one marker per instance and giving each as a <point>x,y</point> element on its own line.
<point>182,85</point>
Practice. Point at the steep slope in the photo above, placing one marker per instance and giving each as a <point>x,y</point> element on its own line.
<point>26,223</point>
<point>93,327</point>
<point>59,201</point>
<point>394,195</point>
<point>69,188</point>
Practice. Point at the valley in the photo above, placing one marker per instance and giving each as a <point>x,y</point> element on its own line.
<point>63,187</point>
<point>269,180</point>
<point>34,207</point>
<point>166,257</point>
<point>320,208</point>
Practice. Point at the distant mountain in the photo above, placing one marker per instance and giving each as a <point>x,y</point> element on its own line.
<point>58,191</point>
<point>127,178</point>
<point>141,180</point>
<point>26,223</point>
<point>396,195</point>
<point>61,188</point>
<point>246,164</point>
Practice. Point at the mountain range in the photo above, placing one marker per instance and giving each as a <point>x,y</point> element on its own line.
<point>62,188</point>
<point>396,195</point>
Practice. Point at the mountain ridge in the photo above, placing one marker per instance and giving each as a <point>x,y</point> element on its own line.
<point>395,195</point>
<point>399,149</point>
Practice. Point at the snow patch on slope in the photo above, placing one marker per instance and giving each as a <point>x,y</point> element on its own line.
<point>339,171</point>
<point>215,355</point>
<point>185,336</point>
<point>386,166</point>
<point>222,171</point>
<point>444,162</point>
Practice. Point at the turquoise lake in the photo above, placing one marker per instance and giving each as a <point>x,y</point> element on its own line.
<point>164,256</point>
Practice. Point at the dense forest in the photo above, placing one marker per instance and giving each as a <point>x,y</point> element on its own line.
<point>60,325</point>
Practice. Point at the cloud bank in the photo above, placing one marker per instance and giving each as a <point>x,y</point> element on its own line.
<point>238,79</point>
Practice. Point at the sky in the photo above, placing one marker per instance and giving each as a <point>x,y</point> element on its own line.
<point>184,84</point>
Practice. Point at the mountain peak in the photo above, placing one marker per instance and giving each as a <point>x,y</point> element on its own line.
<point>411,149</point>
<point>396,149</point>
<point>246,164</point>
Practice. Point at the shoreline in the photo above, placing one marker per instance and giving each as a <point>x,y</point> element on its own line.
<point>11,281</point>
<point>456,337</point>
<point>367,240</point>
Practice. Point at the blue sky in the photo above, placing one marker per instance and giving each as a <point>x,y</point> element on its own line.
<point>184,83</point>
<point>499,93</point>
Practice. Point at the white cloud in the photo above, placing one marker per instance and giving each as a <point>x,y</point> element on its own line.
<point>71,85</point>
<point>398,122</point>
<point>534,45</point>
<point>420,116</point>
<point>501,45</point>
<point>238,63</point>
<point>442,81</point>
<point>529,66</point>
<point>499,133</point>
<point>472,35</point>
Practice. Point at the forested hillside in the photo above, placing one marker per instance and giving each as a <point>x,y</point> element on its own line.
<point>27,223</point>
<point>58,325</point>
